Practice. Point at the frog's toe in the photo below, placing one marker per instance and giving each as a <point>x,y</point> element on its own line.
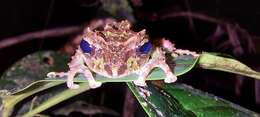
<point>56,74</point>
<point>170,78</point>
<point>72,85</point>
<point>51,74</point>
<point>94,84</point>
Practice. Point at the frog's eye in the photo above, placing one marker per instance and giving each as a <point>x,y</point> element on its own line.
<point>145,48</point>
<point>85,46</point>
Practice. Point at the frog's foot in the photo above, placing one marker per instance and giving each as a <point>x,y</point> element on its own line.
<point>94,84</point>
<point>72,85</point>
<point>168,45</point>
<point>88,75</point>
<point>56,74</point>
<point>170,78</point>
<point>70,82</point>
<point>140,82</point>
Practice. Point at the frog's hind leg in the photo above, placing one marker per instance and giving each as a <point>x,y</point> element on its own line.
<point>170,77</point>
<point>170,47</point>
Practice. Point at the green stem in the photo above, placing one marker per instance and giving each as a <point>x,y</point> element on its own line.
<point>57,99</point>
<point>11,100</point>
<point>213,62</point>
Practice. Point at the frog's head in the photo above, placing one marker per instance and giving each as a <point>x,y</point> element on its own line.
<point>116,50</point>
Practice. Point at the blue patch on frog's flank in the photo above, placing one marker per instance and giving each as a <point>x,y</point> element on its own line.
<point>145,48</point>
<point>85,46</point>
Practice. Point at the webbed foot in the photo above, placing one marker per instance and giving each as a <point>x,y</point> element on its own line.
<point>72,85</point>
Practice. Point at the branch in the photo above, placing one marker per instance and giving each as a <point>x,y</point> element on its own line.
<point>236,34</point>
<point>192,15</point>
<point>129,104</point>
<point>55,32</point>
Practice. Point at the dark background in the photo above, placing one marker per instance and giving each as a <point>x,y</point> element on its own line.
<point>23,16</point>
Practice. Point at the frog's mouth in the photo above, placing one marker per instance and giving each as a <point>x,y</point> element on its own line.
<point>113,71</point>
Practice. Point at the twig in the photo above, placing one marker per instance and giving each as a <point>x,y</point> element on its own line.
<point>137,3</point>
<point>190,19</point>
<point>234,39</point>
<point>192,15</point>
<point>55,32</point>
<point>129,104</point>
<point>235,33</point>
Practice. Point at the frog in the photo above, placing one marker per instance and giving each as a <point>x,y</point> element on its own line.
<point>117,51</point>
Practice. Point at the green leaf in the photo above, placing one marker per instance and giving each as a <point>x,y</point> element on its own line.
<point>180,100</point>
<point>32,68</point>
<point>17,92</point>
<point>183,64</point>
<point>9,101</point>
<point>211,61</point>
<point>156,103</point>
<point>22,80</point>
<point>204,104</point>
<point>64,95</point>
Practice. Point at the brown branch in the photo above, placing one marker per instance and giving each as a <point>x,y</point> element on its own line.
<point>190,19</point>
<point>129,104</point>
<point>233,30</point>
<point>192,15</point>
<point>137,3</point>
<point>55,32</point>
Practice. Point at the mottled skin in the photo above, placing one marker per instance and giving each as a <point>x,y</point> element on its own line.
<point>114,54</point>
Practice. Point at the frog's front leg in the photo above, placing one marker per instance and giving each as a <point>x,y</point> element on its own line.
<point>157,60</point>
<point>70,76</point>
<point>88,75</point>
<point>76,66</point>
